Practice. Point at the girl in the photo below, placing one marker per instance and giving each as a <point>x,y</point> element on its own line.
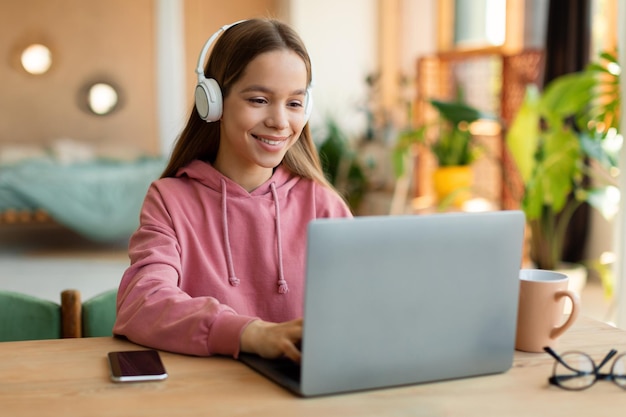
<point>217,264</point>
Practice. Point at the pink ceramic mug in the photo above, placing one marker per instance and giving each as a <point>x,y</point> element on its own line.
<point>540,319</point>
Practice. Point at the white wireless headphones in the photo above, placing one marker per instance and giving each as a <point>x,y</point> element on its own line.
<point>208,94</point>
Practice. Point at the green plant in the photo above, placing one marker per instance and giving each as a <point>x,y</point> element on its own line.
<point>453,143</point>
<point>564,142</point>
<point>341,166</point>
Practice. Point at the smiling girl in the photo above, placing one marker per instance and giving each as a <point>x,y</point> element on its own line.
<point>217,263</point>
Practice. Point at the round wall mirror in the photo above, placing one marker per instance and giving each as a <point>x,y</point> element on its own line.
<point>100,98</point>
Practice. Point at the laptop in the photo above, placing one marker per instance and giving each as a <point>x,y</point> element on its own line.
<point>398,300</point>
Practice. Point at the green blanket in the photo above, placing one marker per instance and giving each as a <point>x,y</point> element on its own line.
<point>100,200</point>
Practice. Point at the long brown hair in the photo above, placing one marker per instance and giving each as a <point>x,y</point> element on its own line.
<point>232,52</point>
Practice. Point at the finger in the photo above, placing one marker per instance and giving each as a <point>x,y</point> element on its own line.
<point>294,333</point>
<point>293,353</point>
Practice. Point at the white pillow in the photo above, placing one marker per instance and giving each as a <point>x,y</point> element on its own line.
<point>11,154</point>
<point>69,151</point>
<point>119,152</point>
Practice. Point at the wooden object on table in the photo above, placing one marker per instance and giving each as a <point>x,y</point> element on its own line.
<point>71,314</point>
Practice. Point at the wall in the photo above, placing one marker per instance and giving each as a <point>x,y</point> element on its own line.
<point>183,26</point>
<point>90,39</point>
<point>203,18</point>
<point>352,39</point>
<point>125,41</point>
<point>341,37</point>
<point>117,40</point>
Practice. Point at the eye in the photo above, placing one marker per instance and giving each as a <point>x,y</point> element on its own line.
<point>257,100</point>
<point>295,103</point>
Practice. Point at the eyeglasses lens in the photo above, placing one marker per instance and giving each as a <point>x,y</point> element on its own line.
<point>579,372</point>
<point>619,371</point>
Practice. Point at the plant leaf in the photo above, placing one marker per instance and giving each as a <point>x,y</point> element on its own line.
<point>566,96</point>
<point>457,112</point>
<point>533,199</point>
<point>561,154</point>
<point>523,136</point>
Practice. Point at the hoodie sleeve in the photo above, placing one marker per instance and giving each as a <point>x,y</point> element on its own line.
<point>153,311</point>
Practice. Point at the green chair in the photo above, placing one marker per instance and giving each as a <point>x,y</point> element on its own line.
<point>98,314</point>
<point>24,317</point>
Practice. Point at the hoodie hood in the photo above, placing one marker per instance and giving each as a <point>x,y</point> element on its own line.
<point>207,175</point>
<point>276,187</point>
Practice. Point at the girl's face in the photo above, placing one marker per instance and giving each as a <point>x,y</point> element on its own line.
<point>263,117</point>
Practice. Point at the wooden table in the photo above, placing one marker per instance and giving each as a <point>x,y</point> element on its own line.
<point>69,377</point>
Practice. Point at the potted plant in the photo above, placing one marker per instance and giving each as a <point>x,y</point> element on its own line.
<point>452,144</point>
<point>564,142</point>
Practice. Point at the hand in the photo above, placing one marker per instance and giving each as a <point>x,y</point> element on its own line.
<point>273,340</point>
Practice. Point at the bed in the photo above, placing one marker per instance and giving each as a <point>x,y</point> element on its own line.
<point>94,193</point>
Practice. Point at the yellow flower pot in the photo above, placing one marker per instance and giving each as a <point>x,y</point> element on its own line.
<point>453,183</point>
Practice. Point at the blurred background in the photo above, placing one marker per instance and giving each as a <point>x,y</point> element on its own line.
<point>94,94</point>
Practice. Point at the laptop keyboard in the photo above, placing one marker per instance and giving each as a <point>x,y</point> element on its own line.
<point>288,368</point>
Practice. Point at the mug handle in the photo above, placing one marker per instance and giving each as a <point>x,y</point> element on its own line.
<point>558,331</point>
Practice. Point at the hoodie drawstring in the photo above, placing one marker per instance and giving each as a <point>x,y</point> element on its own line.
<point>282,284</point>
<point>232,279</point>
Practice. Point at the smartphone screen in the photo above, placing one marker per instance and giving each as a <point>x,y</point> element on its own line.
<point>136,365</point>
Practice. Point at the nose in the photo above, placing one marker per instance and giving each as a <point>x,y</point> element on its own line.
<point>277,118</point>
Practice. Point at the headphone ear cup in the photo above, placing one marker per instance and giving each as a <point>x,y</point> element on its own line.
<point>308,105</point>
<point>208,97</point>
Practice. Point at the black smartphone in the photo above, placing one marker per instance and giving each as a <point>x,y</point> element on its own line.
<point>136,365</point>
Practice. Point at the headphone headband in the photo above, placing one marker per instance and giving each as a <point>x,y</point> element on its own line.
<point>207,45</point>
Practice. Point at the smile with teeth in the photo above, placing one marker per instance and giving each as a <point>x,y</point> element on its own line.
<point>268,141</point>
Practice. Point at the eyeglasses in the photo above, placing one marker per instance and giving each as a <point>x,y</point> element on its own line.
<point>577,371</point>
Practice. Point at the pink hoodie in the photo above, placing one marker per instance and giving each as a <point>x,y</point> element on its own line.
<point>209,257</point>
